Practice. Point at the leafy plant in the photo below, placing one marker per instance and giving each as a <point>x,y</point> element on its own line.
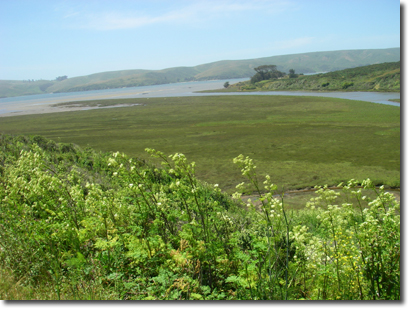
<point>77,224</point>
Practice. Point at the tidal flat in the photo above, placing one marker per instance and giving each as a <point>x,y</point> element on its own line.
<point>300,141</point>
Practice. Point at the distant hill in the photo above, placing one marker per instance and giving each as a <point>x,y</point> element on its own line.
<point>225,69</point>
<point>379,77</point>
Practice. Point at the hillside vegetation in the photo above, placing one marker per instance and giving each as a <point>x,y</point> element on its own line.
<point>380,77</point>
<point>78,224</point>
<point>227,69</point>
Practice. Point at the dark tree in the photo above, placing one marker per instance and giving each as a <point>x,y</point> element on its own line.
<point>226,85</point>
<point>266,72</point>
<point>292,74</point>
<point>61,78</point>
<point>256,78</point>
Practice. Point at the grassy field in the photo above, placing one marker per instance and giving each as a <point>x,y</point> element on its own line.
<point>299,141</point>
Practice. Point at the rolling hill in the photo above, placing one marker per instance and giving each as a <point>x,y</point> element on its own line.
<point>379,77</point>
<point>225,69</point>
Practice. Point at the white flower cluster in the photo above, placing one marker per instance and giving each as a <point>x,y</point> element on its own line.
<point>275,208</point>
<point>112,162</point>
<point>246,164</point>
<point>225,218</point>
<point>236,195</point>
<point>269,186</point>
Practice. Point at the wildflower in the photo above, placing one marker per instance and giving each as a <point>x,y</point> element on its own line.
<point>367,183</point>
<point>236,195</point>
<point>240,186</point>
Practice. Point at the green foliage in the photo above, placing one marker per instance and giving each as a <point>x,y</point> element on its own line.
<point>266,72</point>
<point>292,74</point>
<point>379,77</point>
<point>346,85</point>
<point>77,224</point>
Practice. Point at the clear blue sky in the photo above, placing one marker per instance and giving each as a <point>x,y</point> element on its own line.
<point>43,39</point>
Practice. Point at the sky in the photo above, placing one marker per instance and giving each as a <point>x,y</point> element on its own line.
<point>44,39</point>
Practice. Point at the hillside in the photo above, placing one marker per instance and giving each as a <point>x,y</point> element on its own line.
<point>380,77</point>
<point>225,69</point>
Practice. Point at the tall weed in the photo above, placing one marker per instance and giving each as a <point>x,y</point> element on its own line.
<point>89,225</point>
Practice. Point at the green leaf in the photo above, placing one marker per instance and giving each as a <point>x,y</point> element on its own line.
<point>196,296</point>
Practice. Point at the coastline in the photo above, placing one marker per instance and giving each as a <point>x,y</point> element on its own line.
<point>44,110</point>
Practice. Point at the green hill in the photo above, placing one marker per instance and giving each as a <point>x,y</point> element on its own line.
<point>379,77</point>
<point>12,88</point>
<point>225,69</point>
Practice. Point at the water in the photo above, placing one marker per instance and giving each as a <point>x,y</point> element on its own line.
<point>34,103</point>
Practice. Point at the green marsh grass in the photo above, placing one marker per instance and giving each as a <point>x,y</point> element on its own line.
<point>299,141</point>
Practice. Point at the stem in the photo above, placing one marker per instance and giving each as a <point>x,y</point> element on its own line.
<point>287,248</point>
<point>358,281</point>
<point>337,252</point>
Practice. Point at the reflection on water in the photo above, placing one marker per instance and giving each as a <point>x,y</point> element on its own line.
<point>8,105</point>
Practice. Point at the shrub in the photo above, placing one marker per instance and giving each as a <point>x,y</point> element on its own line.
<point>346,85</point>
<point>122,229</point>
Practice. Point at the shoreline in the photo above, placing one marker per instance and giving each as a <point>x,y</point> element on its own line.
<point>44,110</point>
<point>43,106</point>
<point>57,109</point>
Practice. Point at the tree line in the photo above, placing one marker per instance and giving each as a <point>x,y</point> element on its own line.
<point>269,72</point>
